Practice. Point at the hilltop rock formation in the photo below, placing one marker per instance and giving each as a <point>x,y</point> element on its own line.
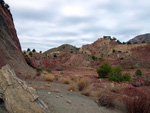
<point>140,38</point>
<point>10,49</point>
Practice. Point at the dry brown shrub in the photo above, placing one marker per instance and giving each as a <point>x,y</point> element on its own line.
<point>45,72</point>
<point>86,92</point>
<point>97,93</point>
<point>106,100</point>
<point>72,87</point>
<point>48,85</point>
<point>49,77</point>
<point>66,80</point>
<point>56,90</point>
<point>83,83</point>
<point>75,78</point>
<point>138,104</point>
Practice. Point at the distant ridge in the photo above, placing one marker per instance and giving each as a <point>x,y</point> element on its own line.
<point>65,48</point>
<point>140,38</point>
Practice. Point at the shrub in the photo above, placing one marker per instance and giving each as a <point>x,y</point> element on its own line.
<point>86,92</point>
<point>49,77</point>
<point>138,104</point>
<point>72,87</point>
<point>48,70</point>
<point>143,41</point>
<point>28,49</point>
<point>33,50</point>
<point>106,100</point>
<point>55,55</point>
<point>83,84</point>
<point>94,57</point>
<point>39,69</point>
<point>66,80</point>
<point>117,76</point>
<point>103,70</point>
<point>138,72</point>
<point>30,54</point>
<point>114,50</point>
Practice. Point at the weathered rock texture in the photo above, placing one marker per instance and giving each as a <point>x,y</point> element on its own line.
<point>17,95</point>
<point>10,49</point>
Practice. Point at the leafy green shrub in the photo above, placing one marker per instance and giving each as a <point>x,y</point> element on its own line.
<point>114,50</point>
<point>104,70</point>
<point>55,55</point>
<point>138,72</point>
<point>30,54</point>
<point>28,49</point>
<point>94,57</point>
<point>39,69</point>
<point>33,50</point>
<point>117,76</point>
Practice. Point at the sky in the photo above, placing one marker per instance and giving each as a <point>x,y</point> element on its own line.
<point>44,24</point>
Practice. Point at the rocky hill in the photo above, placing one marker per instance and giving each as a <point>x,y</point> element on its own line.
<point>140,38</point>
<point>10,49</point>
<point>65,48</point>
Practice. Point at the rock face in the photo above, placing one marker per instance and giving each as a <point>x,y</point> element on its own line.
<point>17,95</point>
<point>10,49</point>
<point>140,38</point>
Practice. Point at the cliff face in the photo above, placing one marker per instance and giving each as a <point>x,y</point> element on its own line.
<point>10,49</point>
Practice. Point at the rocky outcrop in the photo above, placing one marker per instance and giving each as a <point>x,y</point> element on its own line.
<point>140,38</point>
<point>17,95</point>
<point>10,49</point>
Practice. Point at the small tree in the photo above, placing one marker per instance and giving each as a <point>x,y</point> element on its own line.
<point>40,51</point>
<point>114,50</point>
<point>33,50</point>
<point>138,72</point>
<point>55,55</point>
<point>117,76</point>
<point>143,41</point>
<point>103,70</point>
<point>30,54</point>
<point>28,49</point>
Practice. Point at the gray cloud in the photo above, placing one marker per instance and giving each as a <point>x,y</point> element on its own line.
<point>43,24</point>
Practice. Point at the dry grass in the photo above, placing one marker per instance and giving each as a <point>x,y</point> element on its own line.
<point>97,93</point>
<point>49,77</point>
<point>138,104</point>
<point>75,78</point>
<point>86,92</point>
<point>72,87</point>
<point>83,83</point>
<point>56,90</point>
<point>66,80</point>
<point>45,72</point>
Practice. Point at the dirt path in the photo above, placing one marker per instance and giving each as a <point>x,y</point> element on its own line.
<point>60,100</point>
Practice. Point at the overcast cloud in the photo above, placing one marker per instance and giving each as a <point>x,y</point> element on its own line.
<point>43,24</point>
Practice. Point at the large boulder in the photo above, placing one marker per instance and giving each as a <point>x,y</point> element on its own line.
<point>17,95</point>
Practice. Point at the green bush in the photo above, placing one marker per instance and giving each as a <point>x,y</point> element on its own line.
<point>117,76</point>
<point>138,72</point>
<point>104,70</point>
<point>114,50</point>
<point>33,50</point>
<point>39,69</point>
<point>94,57</point>
<point>30,54</point>
<point>28,49</point>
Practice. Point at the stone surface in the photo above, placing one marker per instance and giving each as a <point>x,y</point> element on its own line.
<point>17,95</point>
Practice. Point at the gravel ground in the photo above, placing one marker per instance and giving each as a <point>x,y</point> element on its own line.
<point>69,102</point>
